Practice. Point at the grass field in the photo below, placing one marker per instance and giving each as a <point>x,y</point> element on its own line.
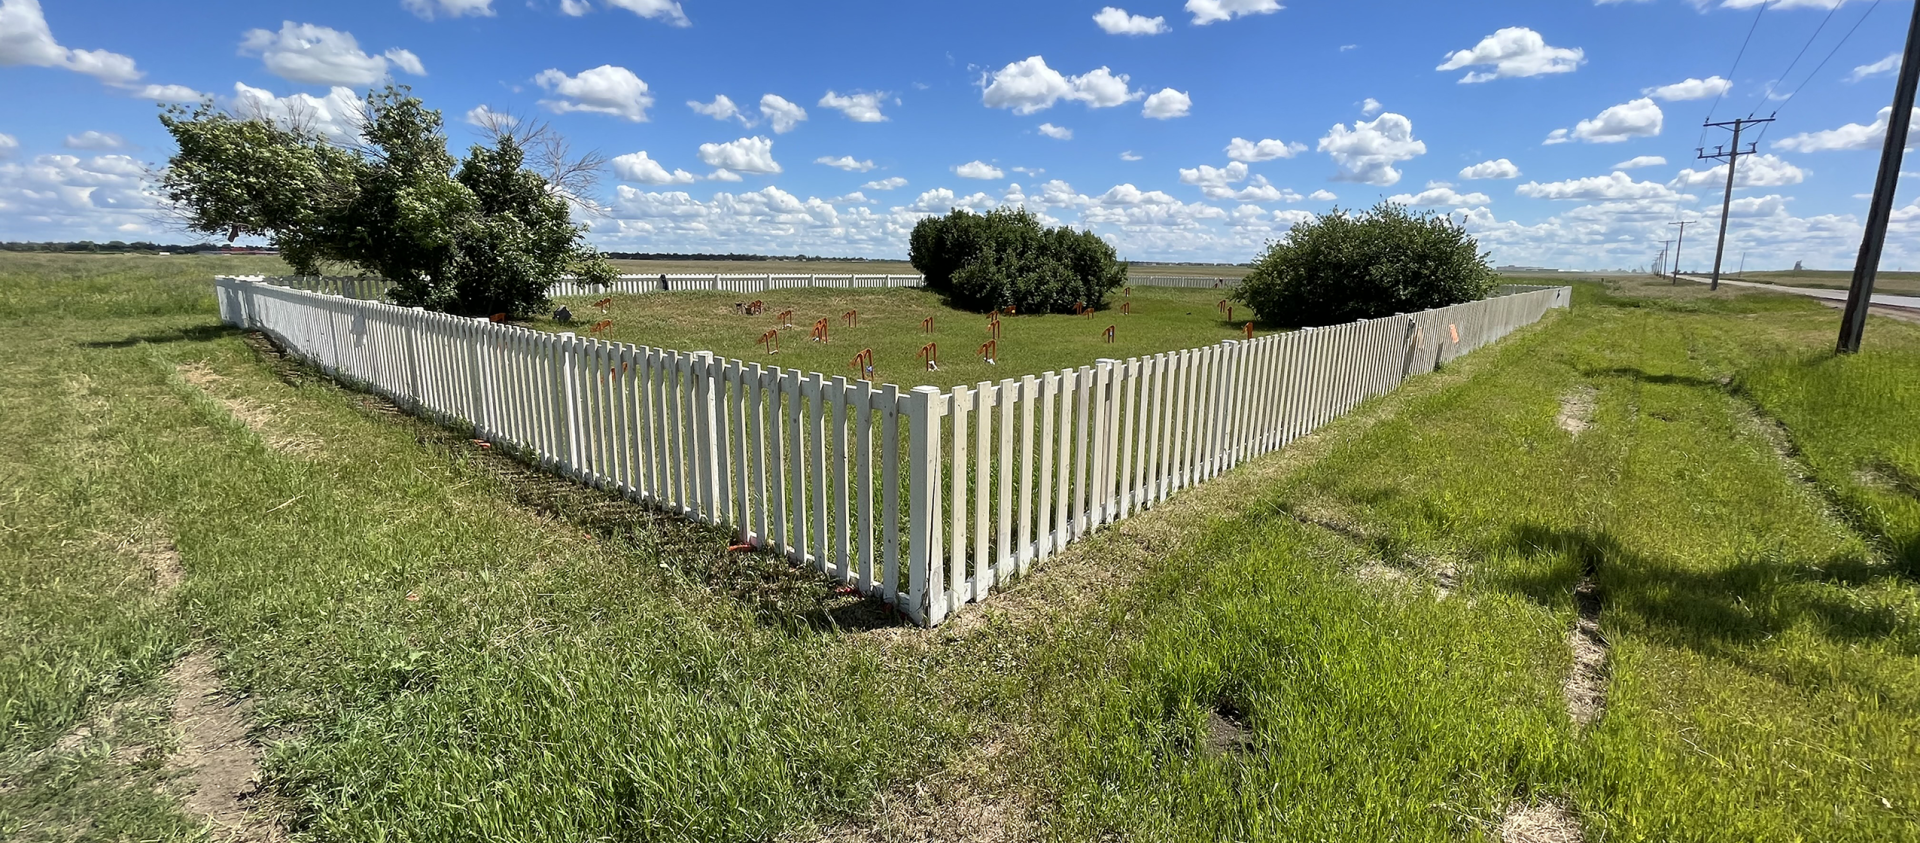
<point>899,267</point>
<point>1895,283</point>
<point>1163,319</point>
<point>1364,636</point>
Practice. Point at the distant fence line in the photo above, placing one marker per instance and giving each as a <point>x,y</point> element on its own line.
<point>375,289</point>
<point>924,498</point>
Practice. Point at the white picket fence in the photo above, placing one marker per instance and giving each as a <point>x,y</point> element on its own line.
<point>1189,282</point>
<point>926,499</point>
<point>375,289</point>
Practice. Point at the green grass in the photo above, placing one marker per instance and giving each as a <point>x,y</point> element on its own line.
<point>1163,319</point>
<point>577,668</point>
<point>1896,283</point>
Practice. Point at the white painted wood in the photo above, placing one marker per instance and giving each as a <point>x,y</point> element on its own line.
<point>960,588</point>
<point>1029,408</point>
<point>1006,395</point>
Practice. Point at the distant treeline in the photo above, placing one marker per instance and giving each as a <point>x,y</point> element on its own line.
<point>664,256</point>
<point>123,247</point>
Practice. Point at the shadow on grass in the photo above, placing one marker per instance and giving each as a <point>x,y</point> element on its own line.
<point>197,333</point>
<point>1714,611</point>
<point>1643,376</point>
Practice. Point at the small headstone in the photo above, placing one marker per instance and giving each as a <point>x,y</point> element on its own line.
<point>563,316</point>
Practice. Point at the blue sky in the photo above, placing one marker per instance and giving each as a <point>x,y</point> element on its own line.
<point>1563,132</point>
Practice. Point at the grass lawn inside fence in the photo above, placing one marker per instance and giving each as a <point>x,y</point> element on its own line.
<point>1361,637</point>
<point>890,323</point>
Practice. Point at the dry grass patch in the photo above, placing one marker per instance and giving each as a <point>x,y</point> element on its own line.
<point>263,419</point>
<point>1552,821</point>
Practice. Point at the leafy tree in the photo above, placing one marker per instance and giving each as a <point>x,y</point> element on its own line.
<point>475,236</point>
<point>1341,267</point>
<point>1006,258</point>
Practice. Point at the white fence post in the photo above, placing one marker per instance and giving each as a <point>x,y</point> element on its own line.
<point>925,601</point>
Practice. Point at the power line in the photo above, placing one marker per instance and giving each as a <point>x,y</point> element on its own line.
<point>1732,157</point>
<point>1803,52</point>
<point>1823,62</point>
<point>1736,66</point>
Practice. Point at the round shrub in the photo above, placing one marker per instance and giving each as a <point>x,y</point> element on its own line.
<point>1341,267</point>
<point>1006,258</point>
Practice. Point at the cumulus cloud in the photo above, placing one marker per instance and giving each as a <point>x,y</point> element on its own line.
<point>722,108</point>
<point>746,155</point>
<point>782,114</point>
<point>893,183</point>
<point>1253,152</point>
<point>1496,169</point>
<point>1514,52</point>
<point>603,90</point>
<point>1641,118</point>
<point>725,175</point>
<point>1641,161</point>
<point>429,9</point>
<point>1437,194</point>
<point>171,93</point>
<point>93,140</point>
<point>1323,196</point>
<point>1056,132</point>
<point>69,197</point>
<point>318,55</point>
<point>858,106</point>
<point>1370,107</point>
<point>1755,171</point>
<point>1167,105</point>
<point>26,40</point>
<point>1215,183</point>
<point>8,144</point>
<point>940,200</point>
<point>1613,186</point>
<point>845,162</point>
<point>1691,89</point>
<point>338,115</point>
<point>1130,156</point>
<point>638,168</point>
<point>1029,85</point>
<point>1117,22</point>
<point>1367,152</point>
<point>978,170</point>
<point>1850,136</point>
<point>664,11</point>
<point>1213,11</point>
<point>1882,67</point>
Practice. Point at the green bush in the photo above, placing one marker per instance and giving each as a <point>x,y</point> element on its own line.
<point>1341,267</point>
<point>476,236</point>
<point>1006,258</point>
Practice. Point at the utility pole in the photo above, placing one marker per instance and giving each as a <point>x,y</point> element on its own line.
<point>1732,157</point>
<point>1860,296</point>
<point>1666,247</point>
<point>1678,245</point>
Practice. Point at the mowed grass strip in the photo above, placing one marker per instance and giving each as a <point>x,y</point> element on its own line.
<point>1762,654</point>
<point>890,323</point>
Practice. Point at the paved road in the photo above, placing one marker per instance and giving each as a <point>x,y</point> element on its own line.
<point>1830,295</point>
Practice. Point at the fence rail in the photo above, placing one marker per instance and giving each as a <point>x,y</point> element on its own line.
<point>924,498</point>
<point>375,289</point>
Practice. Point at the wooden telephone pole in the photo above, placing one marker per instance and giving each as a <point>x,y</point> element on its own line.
<point>1860,296</point>
<point>1732,156</point>
<point>1678,245</point>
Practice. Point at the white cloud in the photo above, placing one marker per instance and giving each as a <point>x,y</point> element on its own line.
<point>940,200</point>
<point>1499,168</point>
<point>746,155</point>
<point>665,11</point>
<point>1887,65</point>
<point>171,93</point>
<point>722,108</point>
<point>1323,196</point>
<point>893,183</point>
<point>724,174</point>
<point>1850,136</point>
<point>1755,171</point>
<point>575,8</point>
<point>603,90</point>
<point>845,162</point>
<point>26,40</point>
<point>782,114</point>
<point>859,107</point>
<point>1117,22</point>
<point>638,168</point>
<point>1214,184</point>
<point>1253,152</point>
<point>1029,85</point>
<point>978,170</point>
<point>1370,107</point>
<point>1056,132</point>
<point>1438,194</point>
<point>1130,156</point>
<point>7,145</point>
<point>1167,105</point>
<point>1213,11</point>
<point>1641,161</point>
<point>304,52</point>
<point>1691,89</point>
<point>92,140</point>
<point>854,198</point>
<point>427,9</point>
<point>337,115</point>
<point>1513,52</point>
<point>66,197</point>
<point>1557,136</point>
<point>1612,186</point>
<point>1641,118</point>
<point>1367,152</point>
